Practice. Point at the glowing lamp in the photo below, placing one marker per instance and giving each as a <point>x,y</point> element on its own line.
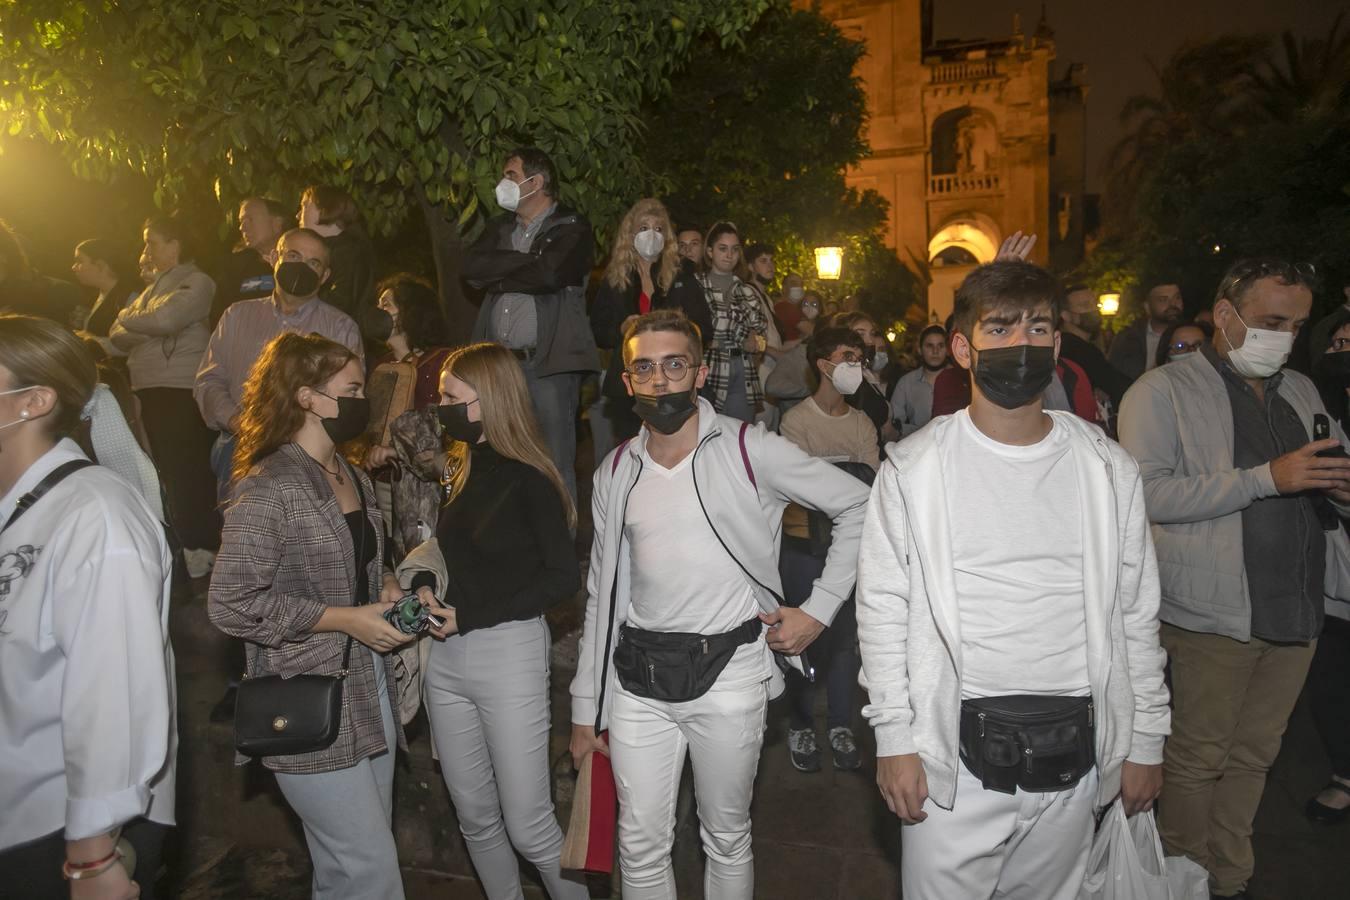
<point>891,335</point>
<point>1108,304</point>
<point>829,263</point>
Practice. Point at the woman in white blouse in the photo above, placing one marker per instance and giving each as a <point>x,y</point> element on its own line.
<point>88,737</point>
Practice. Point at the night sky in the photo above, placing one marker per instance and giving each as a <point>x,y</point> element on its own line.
<point>1114,39</point>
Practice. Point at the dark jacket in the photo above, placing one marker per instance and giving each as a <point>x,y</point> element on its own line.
<point>613,305</point>
<point>245,276</point>
<point>351,280</point>
<point>554,272</point>
<point>1099,370</point>
<point>1129,349</point>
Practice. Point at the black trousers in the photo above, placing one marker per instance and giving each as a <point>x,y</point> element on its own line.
<point>181,444</point>
<point>1329,693</point>
<point>32,871</point>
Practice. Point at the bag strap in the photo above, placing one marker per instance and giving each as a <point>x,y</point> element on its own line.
<point>745,458</point>
<point>54,477</point>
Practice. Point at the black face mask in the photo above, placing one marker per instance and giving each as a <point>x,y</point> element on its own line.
<point>297,279</point>
<point>665,412</point>
<point>350,422</point>
<point>454,418</point>
<point>1335,367</point>
<point>1012,377</point>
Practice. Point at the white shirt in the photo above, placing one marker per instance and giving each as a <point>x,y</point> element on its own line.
<point>87,730</point>
<point>1017,551</point>
<point>683,579</point>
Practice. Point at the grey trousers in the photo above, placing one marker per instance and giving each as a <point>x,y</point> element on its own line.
<point>486,695</point>
<point>347,816</point>
<point>556,398</point>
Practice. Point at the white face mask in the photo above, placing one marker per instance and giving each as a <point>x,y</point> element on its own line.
<point>847,378</point>
<point>1262,354</point>
<point>21,419</point>
<point>810,312</point>
<point>508,193</point>
<point>649,244</point>
<point>795,294</point>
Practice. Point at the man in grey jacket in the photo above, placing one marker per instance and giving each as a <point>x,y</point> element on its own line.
<point>1008,601</point>
<point>1238,498</point>
<point>533,261</point>
<point>688,521</point>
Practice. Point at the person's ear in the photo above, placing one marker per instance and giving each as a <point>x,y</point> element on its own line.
<point>700,378</point>
<point>627,382</point>
<point>962,351</point>
<point>1057,341</point>
<point>272,256</point>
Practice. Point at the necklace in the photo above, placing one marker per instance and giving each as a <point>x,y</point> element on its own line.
<point>336,474</point>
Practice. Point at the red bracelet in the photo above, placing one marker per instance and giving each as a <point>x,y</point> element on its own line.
<point>78,871</point>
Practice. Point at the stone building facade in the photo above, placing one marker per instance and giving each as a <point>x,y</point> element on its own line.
<point>971,141</point>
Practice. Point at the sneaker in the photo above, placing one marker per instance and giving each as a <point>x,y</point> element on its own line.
<point>199,562</point>
<point>802,749</point>
<point>844,749</point>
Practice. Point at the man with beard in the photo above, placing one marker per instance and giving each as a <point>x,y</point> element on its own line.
<point>912,401</point>
<point>1080,325</point>
<point>1136,348</point>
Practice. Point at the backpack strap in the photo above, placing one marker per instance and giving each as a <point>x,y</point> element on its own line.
<point>618,455</point>
<point>54,477</point>
<point>745,458</point>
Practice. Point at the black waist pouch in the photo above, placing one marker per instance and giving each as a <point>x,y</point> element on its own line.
<point>1028,741</point>
<point>676,666</point>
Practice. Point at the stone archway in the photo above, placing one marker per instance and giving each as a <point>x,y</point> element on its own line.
<point>965,241</point>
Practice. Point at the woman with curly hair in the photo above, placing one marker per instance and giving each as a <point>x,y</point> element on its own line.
<point>505,535</point>
<point>644,274</point>
<point>299,579</point>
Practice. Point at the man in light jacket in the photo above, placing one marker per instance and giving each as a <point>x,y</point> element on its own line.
<point>688,519</point>
<point>1238,500</point>
<point>1006,568</point>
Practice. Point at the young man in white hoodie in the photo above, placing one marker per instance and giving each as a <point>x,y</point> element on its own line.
<point>1008,619</point>
<point>684,572</point>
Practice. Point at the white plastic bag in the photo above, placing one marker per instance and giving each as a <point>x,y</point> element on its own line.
<point>1126,860</point>
<point>1187,879</point>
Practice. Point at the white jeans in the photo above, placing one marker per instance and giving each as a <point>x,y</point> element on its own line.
<point>1019,846</point>
<point>722,731</point>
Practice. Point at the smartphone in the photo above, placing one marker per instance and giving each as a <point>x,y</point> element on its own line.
<point>1322,432</point>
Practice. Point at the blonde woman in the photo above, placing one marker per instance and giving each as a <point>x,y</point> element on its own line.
<point>506,537</point>
<point>644,274</point>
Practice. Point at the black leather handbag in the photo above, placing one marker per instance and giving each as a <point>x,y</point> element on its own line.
<point>275,716</point>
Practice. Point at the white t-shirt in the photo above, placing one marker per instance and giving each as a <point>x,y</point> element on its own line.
<point>683,579</point>
<point>1018,554</point>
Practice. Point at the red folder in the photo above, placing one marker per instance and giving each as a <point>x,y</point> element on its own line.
<point>589,845</point>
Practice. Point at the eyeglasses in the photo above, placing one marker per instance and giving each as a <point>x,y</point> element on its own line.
<point>850,356</point>
<point>1184,346</point>
<point>1290,273</point>
<point>1340,344</point>
<point>675,367</point>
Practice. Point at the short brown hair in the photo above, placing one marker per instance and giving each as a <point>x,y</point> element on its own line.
<point>665,320</point>
<point>40,353</point>
<point>336,207</point>
<point>1005,285</point>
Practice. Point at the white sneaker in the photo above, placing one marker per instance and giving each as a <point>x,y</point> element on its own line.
<point>199,562</point>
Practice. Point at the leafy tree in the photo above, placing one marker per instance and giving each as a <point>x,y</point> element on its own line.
<point>761,136</point>
<point>409,104</point>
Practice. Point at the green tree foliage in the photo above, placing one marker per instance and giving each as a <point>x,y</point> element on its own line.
<point>406,103</point>
<point>1244,150</point>
<point>761,135</point>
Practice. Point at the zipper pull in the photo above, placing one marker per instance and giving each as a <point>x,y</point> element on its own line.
<point>704,641</point>
<point>651,675</point>
<point>1090,714</point>
<point>1028,756</point>
<point>981,718</point>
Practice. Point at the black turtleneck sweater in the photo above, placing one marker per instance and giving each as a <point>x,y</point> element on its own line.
<point>506,545</point>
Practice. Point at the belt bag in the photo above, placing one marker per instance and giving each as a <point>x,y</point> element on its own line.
<point>1028,741</point>
<point>676,666</point>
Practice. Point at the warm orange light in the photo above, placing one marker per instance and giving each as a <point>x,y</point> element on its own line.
<point>829,263</point>
<point>1108,304</point>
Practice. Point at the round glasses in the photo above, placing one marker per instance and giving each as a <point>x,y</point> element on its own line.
<point>675,368</point>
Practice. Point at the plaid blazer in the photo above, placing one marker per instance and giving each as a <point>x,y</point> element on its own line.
<point>735,316</point>
<point>285,557</point>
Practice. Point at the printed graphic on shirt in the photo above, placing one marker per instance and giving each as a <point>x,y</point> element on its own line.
<point>256,284</point>
<point>14,565</point>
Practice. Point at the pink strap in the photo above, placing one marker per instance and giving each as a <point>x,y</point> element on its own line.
<point>618,455</point>
<point>745,457</point>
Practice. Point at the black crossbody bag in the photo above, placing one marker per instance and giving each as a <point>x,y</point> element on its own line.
<point>676,666</point>
<point>1028,741</point>
<point>53,478</point>
<point>275,716</point>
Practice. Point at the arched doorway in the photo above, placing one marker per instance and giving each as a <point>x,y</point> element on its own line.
<point>959,246</point>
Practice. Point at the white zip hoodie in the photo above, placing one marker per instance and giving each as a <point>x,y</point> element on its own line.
<point>748,516</point>
<point>909,627</point>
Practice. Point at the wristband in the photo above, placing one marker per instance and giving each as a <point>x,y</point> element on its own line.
<point>80,871</point>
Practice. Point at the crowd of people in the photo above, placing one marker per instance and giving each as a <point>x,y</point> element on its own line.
<point>1068,568</point>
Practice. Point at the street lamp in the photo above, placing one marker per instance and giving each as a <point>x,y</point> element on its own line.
<point>1108,305</point>
<point>829,262</point>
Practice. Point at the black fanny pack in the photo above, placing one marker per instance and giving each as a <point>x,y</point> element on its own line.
<point>676,666</point>
<point>1036,743</point>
